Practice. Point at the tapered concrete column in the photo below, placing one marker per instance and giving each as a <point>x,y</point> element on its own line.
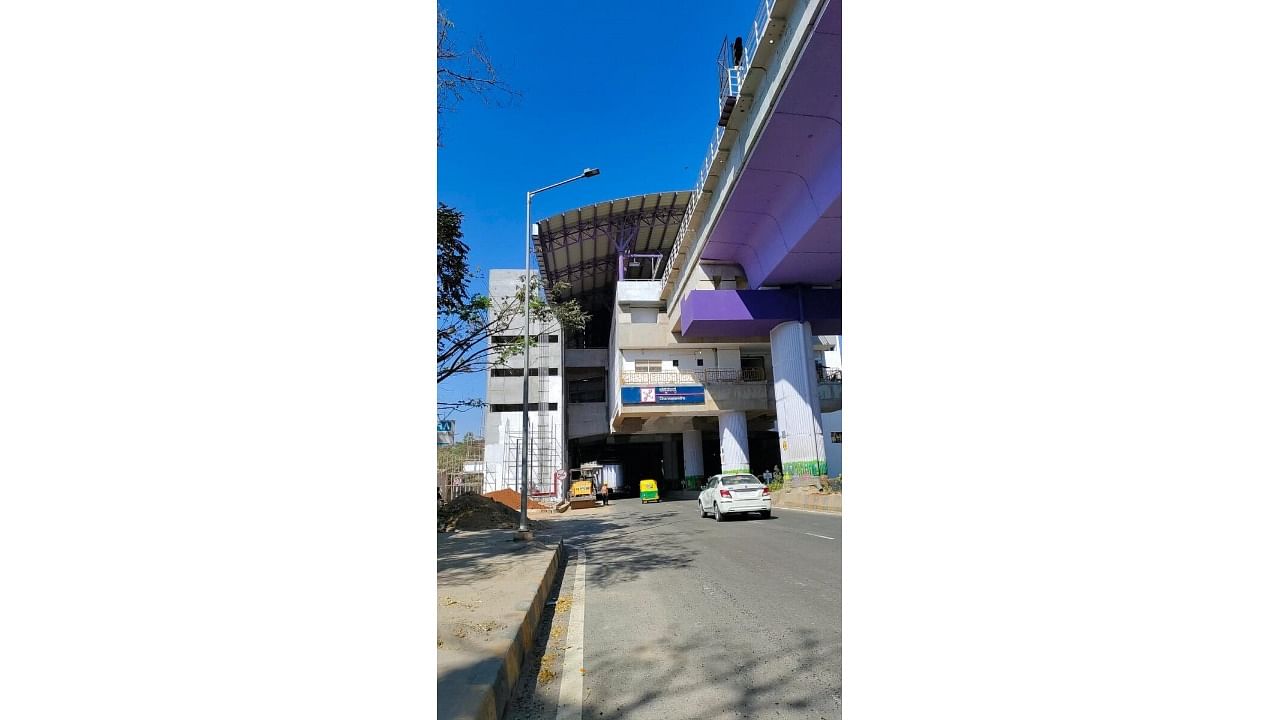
<point>795,387</point>
<point>733,443</point>
<point>693,472</point>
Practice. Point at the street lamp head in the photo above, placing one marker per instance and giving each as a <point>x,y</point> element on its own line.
<point>590,172</point>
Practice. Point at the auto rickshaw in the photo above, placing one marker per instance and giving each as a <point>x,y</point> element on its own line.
<point>649,491</point>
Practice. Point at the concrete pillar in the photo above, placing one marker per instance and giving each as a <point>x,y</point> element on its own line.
<point>733,443</point>
<point>693,472</point>
<point>669,469</point>
<point>795,387</point>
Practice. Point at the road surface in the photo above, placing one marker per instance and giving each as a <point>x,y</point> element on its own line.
<point>683,617</point>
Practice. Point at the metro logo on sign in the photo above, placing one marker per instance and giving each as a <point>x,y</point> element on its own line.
<point>647,395</point>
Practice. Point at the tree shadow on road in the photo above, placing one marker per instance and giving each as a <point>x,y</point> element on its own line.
<point>619,553</point>
<point>794,673</point>
<point>481,554</point>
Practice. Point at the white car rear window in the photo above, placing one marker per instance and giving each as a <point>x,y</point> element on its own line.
<point>740,480</point>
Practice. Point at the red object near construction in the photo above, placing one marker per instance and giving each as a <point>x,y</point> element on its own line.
<point>511,499</point>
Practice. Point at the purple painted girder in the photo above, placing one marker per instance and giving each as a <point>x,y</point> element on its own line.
<point>752,313</point>
<point>782,221</point>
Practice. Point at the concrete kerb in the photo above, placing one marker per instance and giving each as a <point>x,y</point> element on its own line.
<point>808,501</point>
<point>489,687</point>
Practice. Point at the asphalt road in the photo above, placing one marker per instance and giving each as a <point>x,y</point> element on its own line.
<point>690,618</point>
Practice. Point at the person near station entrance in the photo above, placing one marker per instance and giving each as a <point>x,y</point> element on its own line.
<point>607,492</point>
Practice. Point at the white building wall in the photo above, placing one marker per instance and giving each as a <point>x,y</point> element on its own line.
<point>504,430</point>
<point>496,429</point>
<point>831,421</point>
<point>688,359</point>
<point>832,358</point>
<point>501,467</point>
<point>720,357</point>
<point>643,315</point>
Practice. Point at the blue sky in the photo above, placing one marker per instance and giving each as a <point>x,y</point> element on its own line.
<point>626,87</point>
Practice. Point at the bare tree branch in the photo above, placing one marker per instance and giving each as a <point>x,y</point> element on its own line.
<point>459,73</point>
<point>447,408</point>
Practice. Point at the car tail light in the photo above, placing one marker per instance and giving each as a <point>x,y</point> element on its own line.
<point>724,493</point>
<point>766,490</point>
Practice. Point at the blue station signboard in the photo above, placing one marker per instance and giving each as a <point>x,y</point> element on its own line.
<point>668,395</point>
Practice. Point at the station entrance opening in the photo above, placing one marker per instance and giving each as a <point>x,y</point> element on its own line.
<point>638,459</point>
<point>660,456</point>
<point>764,451</point>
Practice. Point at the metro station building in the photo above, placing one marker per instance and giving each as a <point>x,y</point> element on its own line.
<point>714,341</point>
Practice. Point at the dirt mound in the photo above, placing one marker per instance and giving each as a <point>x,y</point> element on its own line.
<point>477,512</point>
<point>511,499</point>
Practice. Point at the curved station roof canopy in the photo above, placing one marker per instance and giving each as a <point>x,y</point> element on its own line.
<point>582,247</point>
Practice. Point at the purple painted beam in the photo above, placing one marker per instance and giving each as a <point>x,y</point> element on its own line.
<point>752,313</point>
<point>781,222</point>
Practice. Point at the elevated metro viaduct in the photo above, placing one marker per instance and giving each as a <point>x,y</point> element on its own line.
<point>768,201</point>
<point>714,339</point>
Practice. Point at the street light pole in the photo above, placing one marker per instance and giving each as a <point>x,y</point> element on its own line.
<point>524,533</point>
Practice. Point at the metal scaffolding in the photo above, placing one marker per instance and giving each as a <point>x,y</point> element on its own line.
<point>544,442</point>
<point>460,469</point>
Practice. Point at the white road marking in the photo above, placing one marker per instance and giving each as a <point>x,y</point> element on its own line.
<point>570,705</point>
<point>780,528</point>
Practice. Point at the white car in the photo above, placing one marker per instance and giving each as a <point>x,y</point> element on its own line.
<point>724,495</point>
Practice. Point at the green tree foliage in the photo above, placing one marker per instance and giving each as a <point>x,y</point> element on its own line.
<point>463,336</point>
<point>451,260</point>
<point>465,323</point>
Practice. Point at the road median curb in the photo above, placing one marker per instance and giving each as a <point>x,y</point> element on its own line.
<point>488,688</point>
